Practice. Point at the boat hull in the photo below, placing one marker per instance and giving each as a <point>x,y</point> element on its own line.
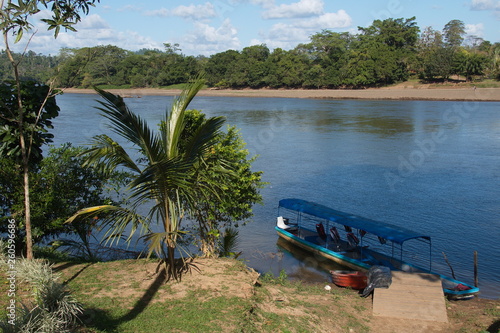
<point>350,279</point>
<point>323,252</point>
<point>448,283</point>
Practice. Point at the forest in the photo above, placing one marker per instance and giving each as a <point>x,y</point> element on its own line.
<point>386,52</point>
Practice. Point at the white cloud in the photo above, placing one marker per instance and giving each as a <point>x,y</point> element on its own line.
<point>207,40</point>
<point>289,35</point>
<point>327,21</point>
<point>93,21</point>
<point>127,8</point>
<point>262,3</point>
<point>485,5</point>
<point>162,12</point>
<point>194,12</point>
<point>475,29</point>
<point>92,31</point>
<point>303,8</point>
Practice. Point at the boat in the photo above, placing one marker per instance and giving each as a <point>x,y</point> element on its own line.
<point>359,243</point>
<point>352,279</point>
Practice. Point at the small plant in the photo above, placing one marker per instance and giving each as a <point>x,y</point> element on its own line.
<point>55,310</point>
<point>228,243</point>
<point>281,279</point>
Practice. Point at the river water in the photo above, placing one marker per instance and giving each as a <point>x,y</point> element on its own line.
<point>430,166</point>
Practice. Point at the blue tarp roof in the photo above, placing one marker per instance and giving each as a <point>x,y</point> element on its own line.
<point>385,230</point>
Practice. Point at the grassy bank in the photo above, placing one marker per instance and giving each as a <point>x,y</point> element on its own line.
<point>223,295</point>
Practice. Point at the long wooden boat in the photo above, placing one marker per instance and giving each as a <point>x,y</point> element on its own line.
<point>359,243</point>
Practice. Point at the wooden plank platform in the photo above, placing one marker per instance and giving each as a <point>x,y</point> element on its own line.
<point>411,296</point>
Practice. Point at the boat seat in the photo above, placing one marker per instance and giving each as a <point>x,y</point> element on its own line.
<point>335,235</point>
<point>352,240</point>
<point>282,225</point>
<point>321,231</point>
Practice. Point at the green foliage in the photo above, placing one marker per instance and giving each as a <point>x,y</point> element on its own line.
<point>165,175</point>
<point>39,108</point>
<point>454,32</point>
<point>281,279</point>
<point>15,20</point>
<point>239,185</point>
<point>55,309</point>
<point>65,14</point>
<point>387,51</point>
<point>228,243</point>
<point>60,186</point>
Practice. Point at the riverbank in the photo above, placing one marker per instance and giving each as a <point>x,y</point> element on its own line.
<point>224,295</point>
<point>402,92</point>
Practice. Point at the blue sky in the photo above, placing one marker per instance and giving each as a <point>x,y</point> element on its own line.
<point>206,27</point>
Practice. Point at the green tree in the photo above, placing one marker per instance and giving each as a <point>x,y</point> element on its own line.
<point>218,66</point>
<point>104,66</point>
<point>250,69</point>
<point>165,174</point>
<point>26,112</point>
<point>386,49</point>
<point>434,56</point>
<point>471,64</point>
<point>60,186</point>
<point>15,20</point>
<point>286,69</point>
<point>330,51</point>
<point>454,32</point>
<point>215,211</point>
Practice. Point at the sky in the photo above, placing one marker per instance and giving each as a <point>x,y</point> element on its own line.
<point>206,27</point>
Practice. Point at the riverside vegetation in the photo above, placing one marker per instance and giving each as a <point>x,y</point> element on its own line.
<point>386,52</point>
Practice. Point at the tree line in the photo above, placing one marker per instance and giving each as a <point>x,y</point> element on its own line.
<point>386,52</point>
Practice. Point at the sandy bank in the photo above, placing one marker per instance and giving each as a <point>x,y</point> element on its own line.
<point>442,94</point>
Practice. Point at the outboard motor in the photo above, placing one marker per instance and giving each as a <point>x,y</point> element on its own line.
<point>378,277</point>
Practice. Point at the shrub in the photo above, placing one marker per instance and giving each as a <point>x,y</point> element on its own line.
<point>54,309</point>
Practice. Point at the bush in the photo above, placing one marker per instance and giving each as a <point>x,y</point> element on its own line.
<point>54,309</point>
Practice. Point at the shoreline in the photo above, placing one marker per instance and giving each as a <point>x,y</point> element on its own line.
<point>396,93</point>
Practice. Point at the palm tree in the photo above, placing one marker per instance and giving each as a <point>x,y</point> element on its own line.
<point>164,174</point>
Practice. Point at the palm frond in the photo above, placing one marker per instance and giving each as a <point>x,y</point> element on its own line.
<point>116,219</point>
<point>204,137</point>
<point>175,119</point>
<point>156,180</point>
<point>107,154</point>
<point>129,125</point>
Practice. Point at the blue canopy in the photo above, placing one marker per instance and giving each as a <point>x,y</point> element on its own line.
<point>388,231</point>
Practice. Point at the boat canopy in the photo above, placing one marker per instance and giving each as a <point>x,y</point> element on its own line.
<point>385,230</point>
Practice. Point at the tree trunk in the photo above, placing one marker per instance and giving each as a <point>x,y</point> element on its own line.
<point>25,152</point>
<point>171,269</point>
<point>26,187</point>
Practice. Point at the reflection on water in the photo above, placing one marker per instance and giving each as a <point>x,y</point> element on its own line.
<point>433,167</point>
<point>308,266</point>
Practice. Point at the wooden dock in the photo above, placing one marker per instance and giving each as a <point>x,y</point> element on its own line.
<point>411,296</point>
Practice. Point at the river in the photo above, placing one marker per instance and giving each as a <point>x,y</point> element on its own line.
<point>431,166</point>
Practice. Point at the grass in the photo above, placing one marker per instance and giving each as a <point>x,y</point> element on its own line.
<point>200,309</point>
<point>127,296</point>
